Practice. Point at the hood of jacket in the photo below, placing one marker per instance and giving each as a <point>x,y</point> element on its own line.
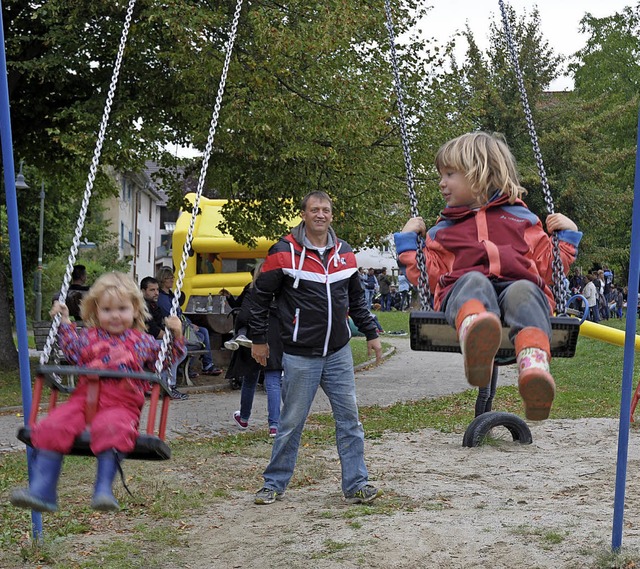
<point>299,233</point>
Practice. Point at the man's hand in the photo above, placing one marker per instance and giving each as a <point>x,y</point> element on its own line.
<point>375,346</point>
<point>260,353</point>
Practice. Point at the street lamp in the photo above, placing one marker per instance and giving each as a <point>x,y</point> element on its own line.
<point>21,184</point>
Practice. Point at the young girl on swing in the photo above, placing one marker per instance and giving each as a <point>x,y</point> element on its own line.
<point>114,312</point>
<point>488,258</point>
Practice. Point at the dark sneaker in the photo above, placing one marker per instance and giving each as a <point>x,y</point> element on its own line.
<point>266,496</point>
<point>211,370</point>
<point>273,431</point>
<point>175,394</point>
<point>242,425</point>
<point>365,495</point>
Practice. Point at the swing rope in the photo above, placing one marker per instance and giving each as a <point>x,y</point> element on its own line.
<point>203,173</point>
<point>164,348</point>
<point>559,287</point>
<point>560,291</point>
<point>423,279</point>
<point>73,253</point>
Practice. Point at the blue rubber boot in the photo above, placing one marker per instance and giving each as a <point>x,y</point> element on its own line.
<point>103,498</point>
<point>42,494</point>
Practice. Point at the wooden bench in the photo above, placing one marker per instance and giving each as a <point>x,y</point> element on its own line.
<point>41,333</point>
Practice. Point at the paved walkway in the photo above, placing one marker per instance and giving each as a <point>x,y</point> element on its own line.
<point>403,376</point>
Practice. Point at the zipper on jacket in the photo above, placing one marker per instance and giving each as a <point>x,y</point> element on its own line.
<point>329,313</point>
<point>296,325</point>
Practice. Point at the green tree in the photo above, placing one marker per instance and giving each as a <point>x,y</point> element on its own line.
<point>309,104</point>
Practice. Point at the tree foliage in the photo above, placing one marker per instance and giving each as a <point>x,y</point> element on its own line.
<point>309,105</point>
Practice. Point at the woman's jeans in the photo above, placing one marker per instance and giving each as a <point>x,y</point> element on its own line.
<point>518,303</point>
<point>203,334</point>
<point>302,377</point>
<point>173,375</point>
<point>272,379</point>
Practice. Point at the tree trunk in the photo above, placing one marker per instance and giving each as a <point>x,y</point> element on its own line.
<point>8,351</point>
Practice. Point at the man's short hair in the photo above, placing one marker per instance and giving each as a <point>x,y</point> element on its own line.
<point>322,196</point>
<point>78,272</point>
<point>146,281</point>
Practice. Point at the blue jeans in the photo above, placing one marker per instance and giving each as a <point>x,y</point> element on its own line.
<point>203,334</point>
<point>171,379</point>
<point>302,376</point>
<point>368,296</point>
<point>385,302</point>
<point>272,387</point>
<point>518,303</point>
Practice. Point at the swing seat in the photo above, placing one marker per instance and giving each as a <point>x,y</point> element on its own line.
<point>149,445</point>
<point>430,332</point>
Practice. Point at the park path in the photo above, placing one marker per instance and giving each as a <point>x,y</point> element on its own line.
<point>405,375</point>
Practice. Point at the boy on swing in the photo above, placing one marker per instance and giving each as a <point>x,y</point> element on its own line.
<point>488,258</point>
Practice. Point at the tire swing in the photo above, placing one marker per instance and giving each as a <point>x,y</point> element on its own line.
<point>151,444</point>
<point>429,330</point>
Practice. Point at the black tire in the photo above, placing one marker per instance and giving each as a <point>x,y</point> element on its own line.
<point>479,428</point>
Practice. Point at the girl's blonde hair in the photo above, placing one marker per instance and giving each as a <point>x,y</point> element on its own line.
<point>118,285</point>
<point>486,162</point>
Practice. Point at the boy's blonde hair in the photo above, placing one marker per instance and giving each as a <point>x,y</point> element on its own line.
<point>486,162</point>
<point>118,285</point>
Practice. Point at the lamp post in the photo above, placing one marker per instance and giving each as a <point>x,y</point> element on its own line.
<point>38,312</point>
<point>21,184</point>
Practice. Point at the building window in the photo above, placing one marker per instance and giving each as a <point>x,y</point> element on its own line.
<point>138,243</point>
<point>139,201</point>
<point>149,251</point>
<point>150,209</point>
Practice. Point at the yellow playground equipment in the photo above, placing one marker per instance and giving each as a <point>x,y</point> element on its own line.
<point>611,336</point>
<point>216,261</point>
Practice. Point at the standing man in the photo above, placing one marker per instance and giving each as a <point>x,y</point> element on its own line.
<point>370,286</point>
<point>403,289</point>
<point>385,282</point>
<point>314,278</point>
<point>77,289</point>
<point>155,326</point>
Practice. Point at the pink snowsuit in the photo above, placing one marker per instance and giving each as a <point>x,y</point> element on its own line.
<point>115,425</point>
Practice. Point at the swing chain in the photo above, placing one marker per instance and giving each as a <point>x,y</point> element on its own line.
<point>423,279</point>
<point>560,290</point>
<point>203,173</point>
<point>73,253</point>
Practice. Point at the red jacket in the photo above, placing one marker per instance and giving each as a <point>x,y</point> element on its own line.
<point>502,241</point>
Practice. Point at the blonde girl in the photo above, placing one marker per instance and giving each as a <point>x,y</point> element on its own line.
<point>114,313</point>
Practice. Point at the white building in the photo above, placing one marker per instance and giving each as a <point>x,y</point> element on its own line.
<point>139,218</point>
<point>372,257</point>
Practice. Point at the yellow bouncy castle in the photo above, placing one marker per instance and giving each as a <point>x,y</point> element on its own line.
<point>217,262</point>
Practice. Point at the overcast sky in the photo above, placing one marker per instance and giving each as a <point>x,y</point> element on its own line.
<point>559,20</point>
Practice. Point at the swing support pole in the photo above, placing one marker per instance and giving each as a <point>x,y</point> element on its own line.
<point>627,368</point>
<point>16,256</point>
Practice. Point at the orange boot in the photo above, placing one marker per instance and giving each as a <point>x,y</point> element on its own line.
<point>479,334</point>
<point>535,383</point>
